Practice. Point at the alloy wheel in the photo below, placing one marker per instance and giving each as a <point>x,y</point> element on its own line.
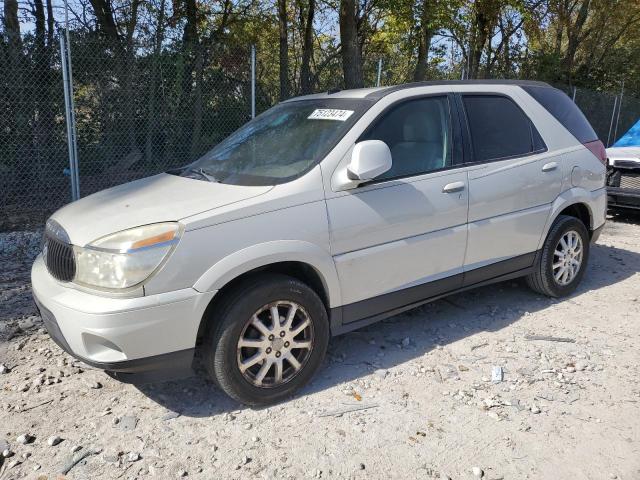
<point>567,258</point>
<point>275,344</point>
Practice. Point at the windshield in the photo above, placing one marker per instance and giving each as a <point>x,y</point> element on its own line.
<point>279,145</point>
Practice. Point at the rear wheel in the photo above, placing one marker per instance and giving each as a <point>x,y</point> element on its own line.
<point>271,336</point>
<point>563,258</point>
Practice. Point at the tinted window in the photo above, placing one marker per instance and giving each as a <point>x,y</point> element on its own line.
<point>418,133</point>
<point>565,111</point>
<point>499,128</point>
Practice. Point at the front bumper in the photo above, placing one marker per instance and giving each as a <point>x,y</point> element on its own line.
<point>139,339</point>
<point>623,197</point>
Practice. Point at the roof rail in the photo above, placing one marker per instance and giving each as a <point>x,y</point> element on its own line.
<point>386,91</point>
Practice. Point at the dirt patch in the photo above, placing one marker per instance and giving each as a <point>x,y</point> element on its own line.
<point>411,397</point>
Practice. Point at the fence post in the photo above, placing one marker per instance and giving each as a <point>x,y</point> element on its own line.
<point>69,105</point>
<point>613,115</point>
<point>574,94</point>
<point>70,119</point>
<point>379,72</point>
<point>615,131</point>
<point>253,81</point>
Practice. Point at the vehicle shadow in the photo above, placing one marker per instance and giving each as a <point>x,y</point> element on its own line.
<point>384,345</point>
<point>624,215</point>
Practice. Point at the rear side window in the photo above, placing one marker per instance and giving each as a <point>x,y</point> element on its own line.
<point>565,111</point>
<point>499,128</point>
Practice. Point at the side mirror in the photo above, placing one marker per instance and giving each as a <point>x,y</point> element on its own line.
<point>369,159</point>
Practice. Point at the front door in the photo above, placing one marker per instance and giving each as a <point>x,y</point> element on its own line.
<point>402,237</point>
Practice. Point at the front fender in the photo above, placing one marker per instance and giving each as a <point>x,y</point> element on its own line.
<point>595,201</point>
<point>268,253</point>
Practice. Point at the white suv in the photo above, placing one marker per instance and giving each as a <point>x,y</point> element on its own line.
<point>324,214</point>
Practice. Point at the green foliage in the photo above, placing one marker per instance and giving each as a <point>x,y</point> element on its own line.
<point>173,78</point>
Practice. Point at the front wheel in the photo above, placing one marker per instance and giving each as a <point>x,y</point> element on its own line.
<point>563,258</point>
<point>271,336</point>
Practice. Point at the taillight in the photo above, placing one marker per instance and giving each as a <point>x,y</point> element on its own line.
<point>597,148</point>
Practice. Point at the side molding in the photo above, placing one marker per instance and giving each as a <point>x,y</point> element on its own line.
<point>268,253</point>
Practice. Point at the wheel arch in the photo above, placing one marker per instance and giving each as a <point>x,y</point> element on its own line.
<point>581,211</point>
<point>574,203</point>
<point>301,260</point>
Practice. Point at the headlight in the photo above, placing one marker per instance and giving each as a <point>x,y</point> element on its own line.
<point>127,258</point>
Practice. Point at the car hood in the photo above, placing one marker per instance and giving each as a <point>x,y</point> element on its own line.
<point>160,198</point>
<point>623,153</point>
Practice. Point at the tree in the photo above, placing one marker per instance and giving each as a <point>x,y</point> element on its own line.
<point>351,46</point>
<point>12,24</point>
<point>306,27</point>
<point>425,34</point>
<point>283,30</point>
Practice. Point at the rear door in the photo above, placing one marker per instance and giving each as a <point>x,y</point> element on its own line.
<point>511,186</point>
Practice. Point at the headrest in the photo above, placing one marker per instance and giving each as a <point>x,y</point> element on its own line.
<point>423,126</point>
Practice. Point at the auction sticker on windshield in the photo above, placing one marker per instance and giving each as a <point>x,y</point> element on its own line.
<point>330,114</point>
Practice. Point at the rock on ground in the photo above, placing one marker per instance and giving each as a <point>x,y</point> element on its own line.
<point>562,410</point>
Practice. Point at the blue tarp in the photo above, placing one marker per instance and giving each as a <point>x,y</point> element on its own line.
<point>631,138</point>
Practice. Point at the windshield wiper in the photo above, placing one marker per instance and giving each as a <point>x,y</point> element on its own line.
<point>200,171</point>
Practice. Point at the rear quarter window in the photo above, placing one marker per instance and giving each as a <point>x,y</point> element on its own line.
<point>558,104</point>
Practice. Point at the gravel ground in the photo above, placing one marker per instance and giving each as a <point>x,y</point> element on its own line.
<point>420,385</point>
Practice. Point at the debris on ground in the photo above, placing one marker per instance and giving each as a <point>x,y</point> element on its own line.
<point>348,409</point>
<point>409,397</point>
<point>548,338</point>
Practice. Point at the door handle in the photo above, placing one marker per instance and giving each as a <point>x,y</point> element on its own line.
<point>453,187</point>
<point>549,166</point>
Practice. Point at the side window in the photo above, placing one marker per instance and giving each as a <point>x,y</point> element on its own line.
<point>418,133</point>
<point>565,111</point>
<point>499,129</point>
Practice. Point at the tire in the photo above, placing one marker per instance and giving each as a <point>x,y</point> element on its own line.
<point>234,320</point>
<point>543,279</point>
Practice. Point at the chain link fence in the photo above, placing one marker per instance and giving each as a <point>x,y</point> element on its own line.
<point>139,113</point>
<point>141,109</point>
<point>33,142</point>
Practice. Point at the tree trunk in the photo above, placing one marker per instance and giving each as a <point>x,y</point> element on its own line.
<point>485,18</point>
<point>190,43</point>
<point>128,76</point>
<point>104,15</point>
<point>307,50</point>
<point>351,52</point>
<point>153,88</point>
<point>41,113</point>
<point>424,41</point>
<point>12,24</point>
<point>18,124</point>
<point>50,24</point>
<point>558,38</point>
<point>574,37</point>
<point>38,13</point>
<point>284,49</point>
<point>197,105</point>
<point>123,46</point>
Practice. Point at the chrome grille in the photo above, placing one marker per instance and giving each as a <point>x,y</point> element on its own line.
<point>59,259</point>
<point>627,179</point>
<point>630,181</point>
